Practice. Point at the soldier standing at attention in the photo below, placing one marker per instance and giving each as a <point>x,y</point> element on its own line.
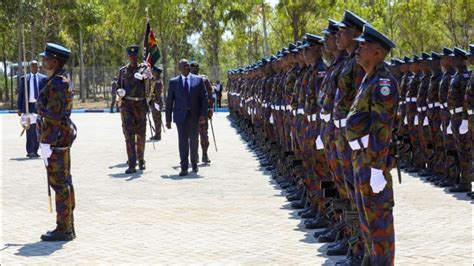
<point>113,93</point>
<point>369,132</point>
<point>204,127</point>
<point>131,90</point>
<point>56,133</point>
<point>156,102</point>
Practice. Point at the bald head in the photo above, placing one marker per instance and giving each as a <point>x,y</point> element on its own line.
<point>183,66</point>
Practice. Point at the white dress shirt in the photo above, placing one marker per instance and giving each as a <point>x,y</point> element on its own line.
<point>189,81</point>
<point>31,96</point>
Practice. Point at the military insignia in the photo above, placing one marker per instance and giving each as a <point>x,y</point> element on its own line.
<point>321,74</point>
<point>385,90</point>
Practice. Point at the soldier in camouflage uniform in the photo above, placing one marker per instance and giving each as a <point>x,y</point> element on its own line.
<point>469,105</point>
<point>156,101</point>
<point>56,133</point>
<point>369,129</point>
<point>458,125</point>
<point>204,128</point>
<point>434,116</point>
<point>132,93</point>
<point>402,128</point>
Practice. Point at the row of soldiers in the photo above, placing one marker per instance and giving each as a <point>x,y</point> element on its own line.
<point>326,115</point>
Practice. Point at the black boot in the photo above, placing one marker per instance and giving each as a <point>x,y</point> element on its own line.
<point>339,250</point>
<point>141,165</point>
<point>205,158</point>
<point>57,235</point>
<point>458,188</point>
<point>130,170</point>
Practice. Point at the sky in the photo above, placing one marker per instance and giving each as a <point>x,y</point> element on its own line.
<point>273,3</point>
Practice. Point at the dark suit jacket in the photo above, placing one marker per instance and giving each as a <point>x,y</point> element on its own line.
<point>42,79</point>
<point>179,102</point>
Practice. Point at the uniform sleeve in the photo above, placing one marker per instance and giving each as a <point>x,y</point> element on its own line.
<point>382,113</point>
<point>54,112</point>
<point>208,86</point>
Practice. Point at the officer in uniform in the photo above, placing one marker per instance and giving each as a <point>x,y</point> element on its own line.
<point>204,127</point>
<point>369,129</point>
<point>458,125</point>
<point>132,93</point>
<point>56,133</point>
<point>156,102</point>
<point>113,93</point>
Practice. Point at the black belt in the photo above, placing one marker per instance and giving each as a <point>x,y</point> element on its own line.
<point>60,148</point>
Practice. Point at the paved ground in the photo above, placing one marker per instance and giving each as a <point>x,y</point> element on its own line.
<point>231,213</point>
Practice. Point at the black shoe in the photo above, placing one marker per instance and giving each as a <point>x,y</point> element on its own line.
<point>141,165</point>
<point>458,188</point>
<point>36,155</point>
<point>205,158</point>
<point>297,205</point>
<point>338,250</point>
<point>323,232</point>
<point>412,170</point>
<point>309,215</point>
<point>328,237</point>
<point>318,223</point>
<point>184,172</point>
<point>130,170</point>
<point>29,155</point>
<point>195,168</point>
<point>446,183</point>
<point>295,196</point>
<point>57,235</point>
<point>350,261</point>
<point>425,172</point>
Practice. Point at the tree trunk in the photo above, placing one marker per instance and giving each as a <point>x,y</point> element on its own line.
<point>294,24</point>
<point>81,65</point>
<point>94,85</point>
<point>164,58</point>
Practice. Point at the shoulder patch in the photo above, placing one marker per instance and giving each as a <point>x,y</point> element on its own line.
<point>385,90</point>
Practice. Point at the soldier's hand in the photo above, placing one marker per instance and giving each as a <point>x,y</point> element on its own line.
<point>377,180</point>
<point>209,114</point>
<point>168,125</point>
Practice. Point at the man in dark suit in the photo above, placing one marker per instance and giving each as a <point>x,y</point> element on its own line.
<point>187,101</point>
<point>27,99</point>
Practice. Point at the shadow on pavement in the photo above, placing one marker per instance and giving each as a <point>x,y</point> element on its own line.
<point>120,165</point>
<point>177,177</point>
<point>37,249</point>
<point>21,159</point>
<point>130,176</point>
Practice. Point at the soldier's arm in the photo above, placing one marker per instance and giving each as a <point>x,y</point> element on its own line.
<point>384,102</point>
<point>54,111</point>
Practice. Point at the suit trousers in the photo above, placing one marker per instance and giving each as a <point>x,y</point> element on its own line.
<point>188,141</point>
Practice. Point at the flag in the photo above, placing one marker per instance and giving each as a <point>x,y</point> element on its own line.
<point>152,51</point>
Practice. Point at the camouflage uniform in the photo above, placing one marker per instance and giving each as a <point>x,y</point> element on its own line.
<point>369,129</point>
<point>156,99</point>
<point>54,127</point>
<point>204,127</point>
<point>133,110</point>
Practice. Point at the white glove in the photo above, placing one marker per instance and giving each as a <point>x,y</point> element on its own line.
<point>138,76</point>
<point>45,151</point>
<point>121,92</point>
<point>24,118</point>
<point>157,106</point>
<point>425,121</point>
<point>416,122</point>
<point>377,180</point>
<point>463,128</point>
<point>449,129</point>
<point>319,143</point>
<point>405,121</point>
<point>271,119</point>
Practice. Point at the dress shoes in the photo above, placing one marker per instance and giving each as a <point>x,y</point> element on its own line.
<point>328,237</point>
<point>205,158</point>
<point>412,169</point>
<point>309,215</point>
<point>184,172</point>
<point>141,165</point>
<point>322,232</point>
<point>458,188</point>
<point>318,223</point>
<point>338,250</point>
<point>297,205</point>
<point>195,168</point>
<point>131,170</point>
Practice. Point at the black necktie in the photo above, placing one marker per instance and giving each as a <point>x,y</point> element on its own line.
<point>186,86</point>
<point>35,86</point>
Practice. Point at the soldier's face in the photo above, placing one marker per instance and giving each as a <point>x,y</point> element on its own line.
<point>404,68</point>
<point>330,43</point>
<point>195,70</point>
<point>344,37</point>
<point>50,64</point>
<point>415,67</point>
<point>424,66</point>
<point>366,53</point>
